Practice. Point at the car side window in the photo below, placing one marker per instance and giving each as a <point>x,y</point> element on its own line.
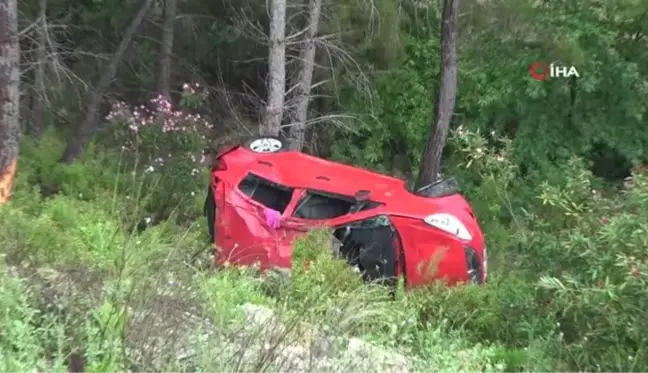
<point>266,192</point>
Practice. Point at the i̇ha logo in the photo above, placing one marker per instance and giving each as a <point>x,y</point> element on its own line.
<point>541,71</point>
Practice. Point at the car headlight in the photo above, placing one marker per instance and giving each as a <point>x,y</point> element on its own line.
<point>449,223</point>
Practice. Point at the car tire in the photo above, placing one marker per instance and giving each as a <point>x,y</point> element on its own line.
<point>266,144</point>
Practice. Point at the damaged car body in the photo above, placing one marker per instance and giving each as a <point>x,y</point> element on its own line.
<point>263,196</point>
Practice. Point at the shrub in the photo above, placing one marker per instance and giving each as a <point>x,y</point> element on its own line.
<point>168,144</point>
<point>25,332</point>
<point>566,291</point>
<point>600,287</point>
<point>572,277</point>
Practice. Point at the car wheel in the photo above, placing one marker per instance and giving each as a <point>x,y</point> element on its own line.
<point>268,144</point>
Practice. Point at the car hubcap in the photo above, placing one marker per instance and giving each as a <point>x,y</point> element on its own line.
<point>265,145</point>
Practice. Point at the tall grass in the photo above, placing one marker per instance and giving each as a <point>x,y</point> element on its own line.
<point>80,274</point>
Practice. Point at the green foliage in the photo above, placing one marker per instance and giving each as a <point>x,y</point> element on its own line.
<point>109,177</point>
<point>23,335</point>
<point>241,288</point>
<point>314,269</point>
<point>123,275</point>
<point>567,288</point>
<point>571,283</point>
<point>167,139</point>
<point>92,174</point>
<point>600,283</point>
<point>32,339</point>
<point>603,109</point>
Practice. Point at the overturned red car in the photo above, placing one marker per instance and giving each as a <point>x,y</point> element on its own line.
<point>262,196</point>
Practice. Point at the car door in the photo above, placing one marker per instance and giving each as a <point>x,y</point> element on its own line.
<point>316,208</point>
<point>245,231</point>
<point>368,236</point>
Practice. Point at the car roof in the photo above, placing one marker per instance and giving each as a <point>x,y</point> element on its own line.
<point>297,169</point>
<point>300,170</point>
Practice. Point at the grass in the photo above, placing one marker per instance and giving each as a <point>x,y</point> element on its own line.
<point>79,276</point>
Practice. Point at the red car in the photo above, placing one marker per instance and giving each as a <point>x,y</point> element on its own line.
<point>263,196</point>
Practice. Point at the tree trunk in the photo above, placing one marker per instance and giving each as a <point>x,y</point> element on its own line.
<point>76,141</point>
<point>9,96</point>
<point>430,168</point>
<point>166,49</point>
<point>273,113</point>
<point>38,108</point>
<point>305,76</point>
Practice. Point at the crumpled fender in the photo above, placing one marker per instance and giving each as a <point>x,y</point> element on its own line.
<point>248,233</point>
<point>429,254</point>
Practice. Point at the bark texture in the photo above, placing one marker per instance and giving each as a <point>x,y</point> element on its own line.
<point>38,106</point>
<point>166,48</point>
<point>305,76</point>
<point>430,169</point>
<point>77,141</point>
<point>273,113</point>
<point>9,96</point>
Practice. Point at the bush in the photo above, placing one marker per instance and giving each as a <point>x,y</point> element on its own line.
<point>169,141</point>
<point>26,333</point>
<point>571,280</point>
<point>566,290</point>
<point>600,287</point>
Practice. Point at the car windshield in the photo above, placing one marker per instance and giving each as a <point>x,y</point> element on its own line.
<point>317,205</point>
<point>266,192</point>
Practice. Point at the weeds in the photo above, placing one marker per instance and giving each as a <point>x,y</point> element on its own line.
<point>566,290</point>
